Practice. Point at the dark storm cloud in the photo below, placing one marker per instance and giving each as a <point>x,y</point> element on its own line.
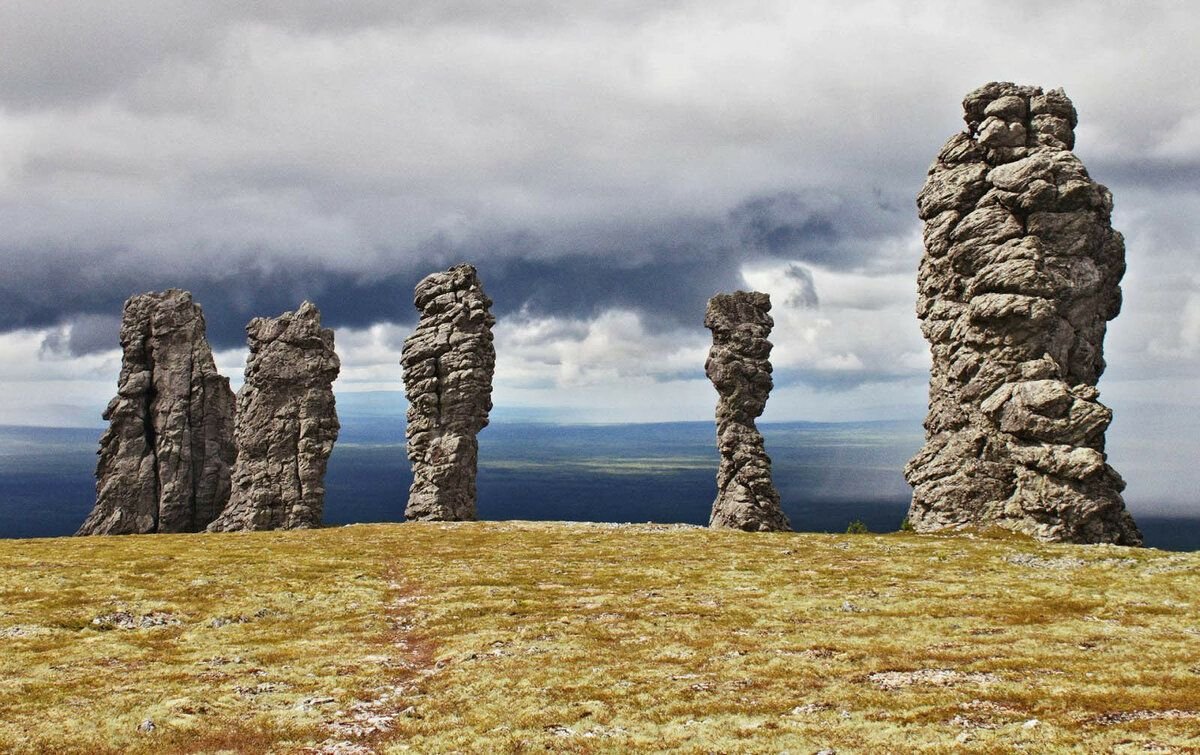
<point>86,334</point>
<point>621,154</point>
<point>806,289</point>
<point>781,223</point>
<point>1159,174</point>
<point>667,270</point>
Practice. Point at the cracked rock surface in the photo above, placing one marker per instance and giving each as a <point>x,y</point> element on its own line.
<point>448,365</point>
<point>1019,279</point>
<point>286,424</point>
<point>165,459</point>
<point>739,366</point>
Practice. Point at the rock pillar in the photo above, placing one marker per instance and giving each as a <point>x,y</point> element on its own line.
<point>286,424</point>
<point>165,459</point>
<point>739,366</point>
<point>448,365</point>
<point>1019,279</point>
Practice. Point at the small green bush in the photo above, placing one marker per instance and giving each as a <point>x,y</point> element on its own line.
<point>857,528</point>
<point>906,526</point>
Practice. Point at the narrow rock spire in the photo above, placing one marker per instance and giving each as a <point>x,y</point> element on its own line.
<point>286,425</point>
<point>165,458</point>
<point>739,366</point>
<point>448,364</point>
<point>1019,279</point>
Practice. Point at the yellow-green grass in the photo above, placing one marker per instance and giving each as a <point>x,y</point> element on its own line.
<point>511,637</point>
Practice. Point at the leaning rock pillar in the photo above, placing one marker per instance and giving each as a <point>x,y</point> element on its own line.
<point>1019,279</point>
<point>739,367</point>
<point>286,425</point>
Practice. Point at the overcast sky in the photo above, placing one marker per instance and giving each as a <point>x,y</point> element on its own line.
<point>606,169</point>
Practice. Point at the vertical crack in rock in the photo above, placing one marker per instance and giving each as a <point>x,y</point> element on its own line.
<point>739,366</point>
<point>1019,279</point>
<point>286,425</point>
<point>165,459</point>
<point>448,365</point>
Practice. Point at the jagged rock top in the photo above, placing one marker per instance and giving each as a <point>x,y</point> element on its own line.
<point>449,362</point>
<point>1020,275</point>
<point>739,362</point>
<point>165,458</point>
<point>292,348</point>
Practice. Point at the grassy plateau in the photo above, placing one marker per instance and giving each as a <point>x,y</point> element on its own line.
<point>520,637</point>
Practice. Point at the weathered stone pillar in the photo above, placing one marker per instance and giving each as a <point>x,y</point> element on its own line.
<point>165,458</point>
<point>1019,279</point>
<point>739,366</point>
<point>286,425</point>
<point>448,365</point>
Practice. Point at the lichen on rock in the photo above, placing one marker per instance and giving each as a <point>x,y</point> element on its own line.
<point>739,366</point>
<point>448,365</point>
<point>165,459</point>
<point>1019,279</point>
<point>286,424</point>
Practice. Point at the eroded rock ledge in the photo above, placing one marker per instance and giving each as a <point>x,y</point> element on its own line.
<point>448,365</point>
<point>165,459</point>
<point>1019,279</point>
<point>739,366</point>
<point>286,424</point>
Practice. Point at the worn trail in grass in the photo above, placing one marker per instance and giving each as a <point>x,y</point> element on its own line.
<point>593,638</point>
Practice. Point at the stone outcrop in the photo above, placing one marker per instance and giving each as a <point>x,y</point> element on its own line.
<point>739,366</point>
<point>286,425</point>
<point>448,364</point>
<point>1019,279</point>
<point>165,459</point>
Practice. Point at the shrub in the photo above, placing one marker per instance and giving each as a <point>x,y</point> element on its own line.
<point>857,528</point>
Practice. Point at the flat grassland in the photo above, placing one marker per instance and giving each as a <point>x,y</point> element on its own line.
<point>512,637</point>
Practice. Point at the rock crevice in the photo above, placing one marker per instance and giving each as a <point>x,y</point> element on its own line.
<point>448,362</point>
<point>1019,279</point>
<point>165,459</point>
<point>739,366</point>
<point>287,424</point>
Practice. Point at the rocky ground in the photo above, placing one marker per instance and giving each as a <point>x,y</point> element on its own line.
<point>509,637</point>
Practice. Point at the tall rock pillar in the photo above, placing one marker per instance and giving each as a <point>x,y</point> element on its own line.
<point>739,366</point>
<point>1018,282</point>
<point>286,424</point>
<point>165,458</point>
<point>448,366</point>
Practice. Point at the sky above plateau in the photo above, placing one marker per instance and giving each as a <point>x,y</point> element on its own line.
<point>607,168</point>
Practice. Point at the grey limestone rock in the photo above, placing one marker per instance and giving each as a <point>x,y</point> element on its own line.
<point>165,458</point>
<point>739,366</point>
<point>1019,279</point>
<point>286,425</point>
<point>448,365</point>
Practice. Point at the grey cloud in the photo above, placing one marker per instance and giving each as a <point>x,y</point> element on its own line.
<point>617,155</point>
<point>806,292</point>
<point>83,334</point>
<point>57,54</point>
<point>666,268</point>
<point>782,223</point>
<point>838,381</point>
